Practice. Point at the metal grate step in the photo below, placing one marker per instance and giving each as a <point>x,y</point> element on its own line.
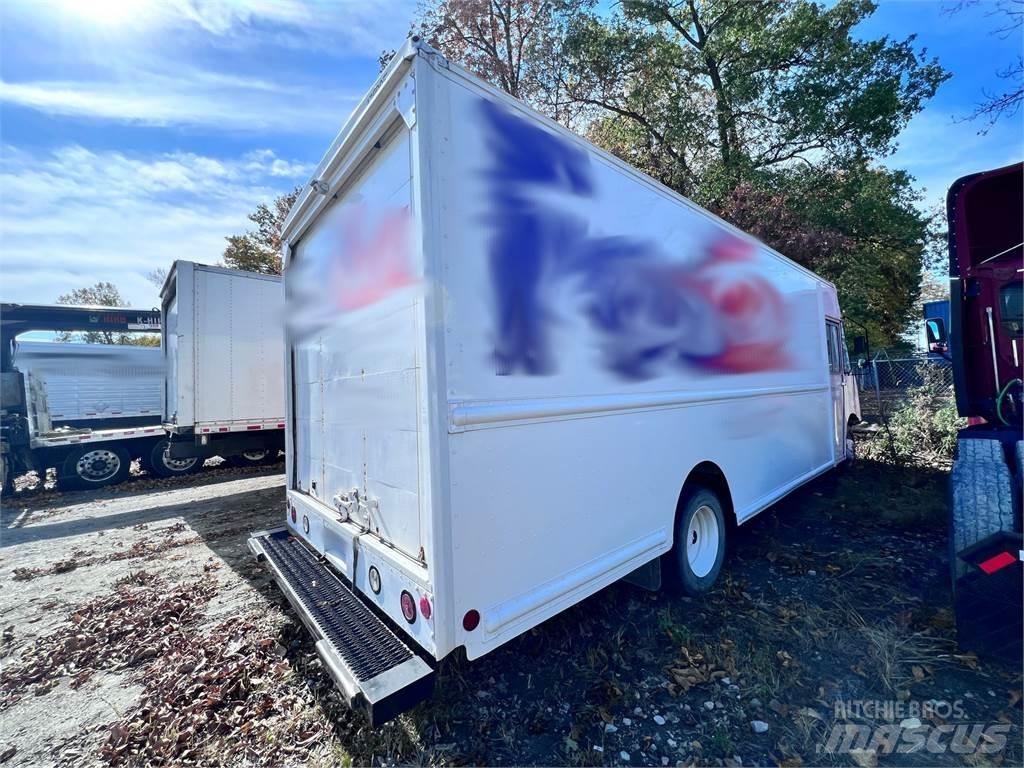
<point>371,666</point>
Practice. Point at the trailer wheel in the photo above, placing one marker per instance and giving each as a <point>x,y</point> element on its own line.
<point>162,465</point>
<point>982,498</point>
<point>252,458</point>
<point>94,466</point>
<point>699,550</point>
<point>6,477</point>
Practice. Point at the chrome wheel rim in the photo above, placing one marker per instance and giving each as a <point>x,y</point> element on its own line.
<point>98,465</point>
<point>177,465</point>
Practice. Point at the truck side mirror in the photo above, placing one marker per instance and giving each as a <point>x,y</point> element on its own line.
<point>860,346</point>
<point>935,329</point>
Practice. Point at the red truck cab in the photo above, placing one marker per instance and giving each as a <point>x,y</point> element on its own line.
<point>986,245</point>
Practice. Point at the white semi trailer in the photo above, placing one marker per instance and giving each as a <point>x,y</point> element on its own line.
<point>85,409</point>
<point>93,385</point>
<point>517,371</point>
<point>223,341</point>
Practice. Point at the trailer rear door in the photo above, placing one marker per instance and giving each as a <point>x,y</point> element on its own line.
<point>170,351</point>
<point>358,342</point>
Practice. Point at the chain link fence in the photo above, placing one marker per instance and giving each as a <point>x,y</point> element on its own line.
<point>887,382</point>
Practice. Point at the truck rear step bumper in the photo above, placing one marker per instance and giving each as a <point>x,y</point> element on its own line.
<point>370,665</point>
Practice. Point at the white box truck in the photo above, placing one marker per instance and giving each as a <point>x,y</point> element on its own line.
<point>223,341</point>
<point>519,370</point>
<point>85,409</point>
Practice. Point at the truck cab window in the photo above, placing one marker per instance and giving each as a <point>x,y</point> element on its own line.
<point>844,351</point>
<point>835,360</point>
<point>1011,307</point>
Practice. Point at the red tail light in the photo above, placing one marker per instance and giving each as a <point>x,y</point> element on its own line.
<point>294,515</point>
<point>997,562</point>
<point>408,607</point>
<point>471,620</point>
<point>425,607</point>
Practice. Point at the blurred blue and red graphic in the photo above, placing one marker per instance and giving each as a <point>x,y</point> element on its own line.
<point>361,258</point>
<point>712,311</point>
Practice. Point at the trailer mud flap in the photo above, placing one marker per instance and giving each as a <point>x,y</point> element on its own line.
<point>988,599</point>
<point>370,665</point>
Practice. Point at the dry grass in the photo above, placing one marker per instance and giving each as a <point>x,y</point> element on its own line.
<point>892,651</point>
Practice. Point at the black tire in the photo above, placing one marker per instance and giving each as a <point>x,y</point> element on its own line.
<point>6,477</point>
<point>94,466</point>
<point>982,498</point>
<point>698,552</point>
<point>253,458</point>
<point>161,465</point>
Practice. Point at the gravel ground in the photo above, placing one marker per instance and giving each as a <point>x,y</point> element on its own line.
<point>136,630</point>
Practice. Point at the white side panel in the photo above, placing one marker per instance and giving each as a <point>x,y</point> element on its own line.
<point>603,338</point>
<point>215,370</point>
<point>95,382</point>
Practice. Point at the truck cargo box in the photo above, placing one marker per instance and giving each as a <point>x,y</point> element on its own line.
<point>518,370</point>
<point>224,347</point>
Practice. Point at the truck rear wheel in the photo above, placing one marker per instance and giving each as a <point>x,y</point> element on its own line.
<point>253,458</point>
<point>699,550</point>
<point>94,466</point>
<point>6,476</point>
<point>982,498</point>
<point>162,465</point>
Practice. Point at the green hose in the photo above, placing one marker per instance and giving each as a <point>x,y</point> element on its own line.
<point>999,400</point>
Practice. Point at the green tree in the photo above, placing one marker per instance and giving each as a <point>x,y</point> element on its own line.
<point>157,276</point>
<point>933,287</point>
<point>102,294</point>
<point>516,45</point>
<point>259,249</point>
<point>730,87</point>
<point>858,226</point>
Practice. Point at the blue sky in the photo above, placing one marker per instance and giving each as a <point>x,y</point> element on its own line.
<point>135,132</point>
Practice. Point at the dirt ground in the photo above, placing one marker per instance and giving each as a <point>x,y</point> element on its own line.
<point>137,630</point>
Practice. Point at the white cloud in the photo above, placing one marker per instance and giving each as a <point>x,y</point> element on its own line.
<point>347,27</point>
<point>256,66</point>
<point>221,16</point>
<point>264,160</point>
<point>356,26</point>
<point>72,217</point>
<point>189,98</point>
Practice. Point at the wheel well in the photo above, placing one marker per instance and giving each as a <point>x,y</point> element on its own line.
<point>707,474</point>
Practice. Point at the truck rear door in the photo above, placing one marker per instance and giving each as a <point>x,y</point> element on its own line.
<point>358,342</point>
<point>170,352</point>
